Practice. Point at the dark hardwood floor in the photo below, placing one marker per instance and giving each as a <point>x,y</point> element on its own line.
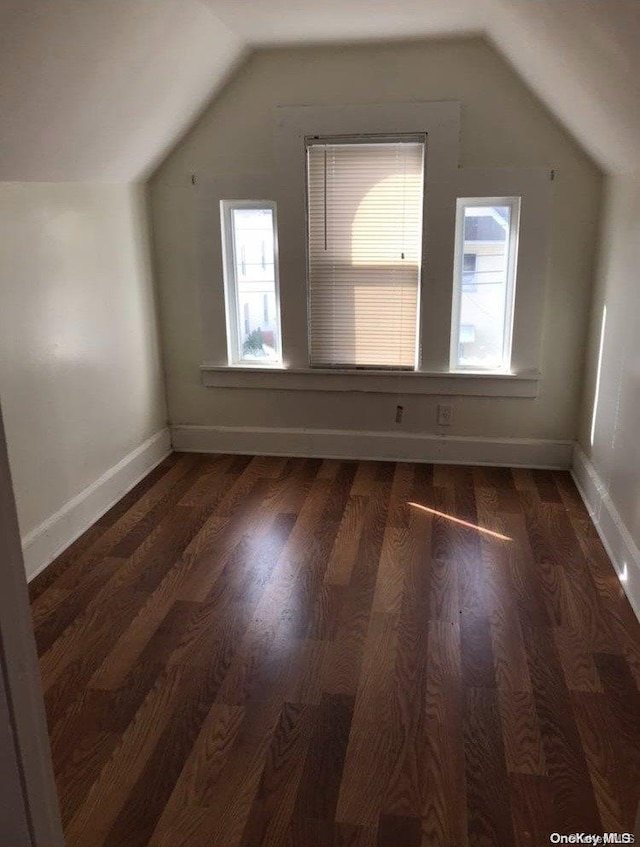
<point>264,651</point>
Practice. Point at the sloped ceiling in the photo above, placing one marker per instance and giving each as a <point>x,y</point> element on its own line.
<point>99,90</point>
<point>582,58</point>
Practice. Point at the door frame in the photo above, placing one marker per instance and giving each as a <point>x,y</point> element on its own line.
<point>20,677</point>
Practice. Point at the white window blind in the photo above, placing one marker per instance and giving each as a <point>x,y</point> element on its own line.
<point>365,201</point>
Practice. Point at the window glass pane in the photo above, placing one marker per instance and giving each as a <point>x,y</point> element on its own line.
<point>252,283</point>
<point>482,326</point>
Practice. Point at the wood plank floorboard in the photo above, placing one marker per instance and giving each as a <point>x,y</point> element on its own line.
<point>270,652</point>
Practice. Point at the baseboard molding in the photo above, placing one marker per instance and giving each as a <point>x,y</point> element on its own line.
<point>45,542</point>
<point>615,536</point>
<point>390,446</point>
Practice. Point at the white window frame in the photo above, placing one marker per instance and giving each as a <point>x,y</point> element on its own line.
<point>232,309</point>
<point>369,138</point>
<point>514,204</point>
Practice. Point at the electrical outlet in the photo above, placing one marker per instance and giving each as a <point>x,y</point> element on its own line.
<point>445,414</point>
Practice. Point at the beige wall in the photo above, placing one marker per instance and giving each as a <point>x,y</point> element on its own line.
<point>502,125</point>
<point>610,429</point>
<point>80,375</point>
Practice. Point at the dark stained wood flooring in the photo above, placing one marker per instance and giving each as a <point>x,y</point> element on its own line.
<point>265,651</point>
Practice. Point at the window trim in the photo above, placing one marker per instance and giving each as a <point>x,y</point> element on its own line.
<point>233,318</point>
<point>459,384</point>
<point>440,122</point>
<point>514,202</point>
<point>283,182</point>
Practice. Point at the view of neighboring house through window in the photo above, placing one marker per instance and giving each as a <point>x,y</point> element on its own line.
<point>251,281</point>
<point>469,271</point>
<point>365,198</point>
<point>484,284</point>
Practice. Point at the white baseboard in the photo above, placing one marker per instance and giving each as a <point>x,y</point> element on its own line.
<point>45,542</point>
<point>613,533</point>
<point>391,446</point>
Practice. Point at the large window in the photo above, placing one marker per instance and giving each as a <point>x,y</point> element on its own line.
<point>484,283</point>
<point>251,281</point>
<point>365,199</point>
<point>370,229</point>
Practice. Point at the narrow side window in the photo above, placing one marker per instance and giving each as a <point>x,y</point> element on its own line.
<point>484,284</point>
<point>250,256</point>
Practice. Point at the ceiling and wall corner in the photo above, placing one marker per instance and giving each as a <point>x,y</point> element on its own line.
<point>581,59</point>
<point>579,56</point>
<point>101,90</point>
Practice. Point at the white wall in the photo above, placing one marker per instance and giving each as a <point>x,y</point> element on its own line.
<point>502,125</point>
<point>608,463</point>
<point>80,375</point>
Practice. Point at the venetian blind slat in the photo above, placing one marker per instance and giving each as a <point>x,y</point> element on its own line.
<point>365,244</point>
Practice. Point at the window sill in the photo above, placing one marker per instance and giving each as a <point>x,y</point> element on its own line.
<point>273,378</point>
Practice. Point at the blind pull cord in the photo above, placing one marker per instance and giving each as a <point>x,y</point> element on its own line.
<point>325,199</point>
